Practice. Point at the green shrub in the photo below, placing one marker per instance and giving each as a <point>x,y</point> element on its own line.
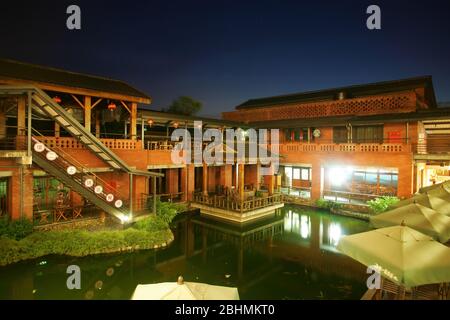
<point>16,230</point>
<point>328,204</point>
<point>382,204</point>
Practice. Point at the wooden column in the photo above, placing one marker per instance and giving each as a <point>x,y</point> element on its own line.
<point>241,181</point>
<point>2,122</point>
<point>97,123</point>
<point>205,179</point>
<point>57,130</point>
<point>154,195</point>
<point>87,113</point>
<point>133,121</point>
<point>21,101</point>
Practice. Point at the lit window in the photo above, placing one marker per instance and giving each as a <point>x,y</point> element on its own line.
<point>305,174</point>
<point>297,174</point>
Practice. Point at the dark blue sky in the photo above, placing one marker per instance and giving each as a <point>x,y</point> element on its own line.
<point>225,52</point>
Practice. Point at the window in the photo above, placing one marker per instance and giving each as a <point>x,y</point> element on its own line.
<point>3,196</point>
<point>305,174</point>
<point>340,135</point>
<point>296,174</point>
<point>367,134</point>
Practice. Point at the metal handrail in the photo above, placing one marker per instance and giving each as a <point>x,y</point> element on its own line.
<point>82,175</point>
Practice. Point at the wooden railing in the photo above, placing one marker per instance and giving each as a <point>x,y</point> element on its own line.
<point>72,143</point>
<point>232,204</point>
<point>345,147</point>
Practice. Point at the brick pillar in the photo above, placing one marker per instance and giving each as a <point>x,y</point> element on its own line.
<point>316,182</point>
<point>21,194</point>
<point>188,181</point>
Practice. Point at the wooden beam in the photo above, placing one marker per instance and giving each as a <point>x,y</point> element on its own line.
<point>96,103</point>
<point>125,106</point>
<point>79,91</point>
<point>78,101</point>
<point>87,113</point>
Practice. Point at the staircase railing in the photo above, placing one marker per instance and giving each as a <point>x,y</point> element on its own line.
<point>69,166</point>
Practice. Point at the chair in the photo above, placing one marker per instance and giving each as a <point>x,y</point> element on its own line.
<point>391,291</point>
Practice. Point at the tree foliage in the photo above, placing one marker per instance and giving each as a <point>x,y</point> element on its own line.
<point>185,105</point>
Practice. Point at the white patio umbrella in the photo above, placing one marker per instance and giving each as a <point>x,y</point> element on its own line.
<point>445,185</point>
<point>404,256</point>
<point>418,217</point>
<point>437,199</point>
<point>181,290</point>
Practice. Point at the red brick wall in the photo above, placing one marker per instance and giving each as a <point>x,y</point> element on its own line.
<point>380,104</point>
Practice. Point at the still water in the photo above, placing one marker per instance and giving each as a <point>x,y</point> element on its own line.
<point>289,256</point>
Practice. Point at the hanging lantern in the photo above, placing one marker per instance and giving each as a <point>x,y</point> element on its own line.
<point>98,189</point>
<point>39,147</point>
<point>51,155</point>
<point>118,203</point>
<point>112,106</point>
<point>89,183</point>
<point>57,99</point>
<point>150,122</point>
<point>71,170</point>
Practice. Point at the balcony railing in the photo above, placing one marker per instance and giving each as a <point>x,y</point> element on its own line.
<point>72,143</point>
<point>345,147</point>
<point>232,204</point>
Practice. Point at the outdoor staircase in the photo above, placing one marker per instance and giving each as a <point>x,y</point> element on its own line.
<point>107,199</point>
<point>45,104</point>
<point>80,180</point>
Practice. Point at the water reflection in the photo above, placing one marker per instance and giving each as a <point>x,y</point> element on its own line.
<point>291,255</point>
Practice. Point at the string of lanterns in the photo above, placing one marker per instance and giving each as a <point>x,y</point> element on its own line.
<point>72,170</point>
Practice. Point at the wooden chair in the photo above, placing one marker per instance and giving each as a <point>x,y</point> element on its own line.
<point>391,291</point>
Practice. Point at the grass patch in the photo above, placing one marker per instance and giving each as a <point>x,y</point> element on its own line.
<point>145,234</point>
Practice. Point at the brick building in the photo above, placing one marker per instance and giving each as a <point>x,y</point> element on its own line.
<point>72,145</point>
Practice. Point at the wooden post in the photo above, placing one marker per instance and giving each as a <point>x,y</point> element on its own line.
<point>21,116</point>
<point>57,129</point>
<point>205,179</point>
<point>87,113</point>
<point>241,182</point>
<point>97,123</point>
<point>154,195</point>
<point>133,121</point>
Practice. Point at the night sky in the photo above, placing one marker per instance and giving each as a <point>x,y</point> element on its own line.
<point>225,52</point>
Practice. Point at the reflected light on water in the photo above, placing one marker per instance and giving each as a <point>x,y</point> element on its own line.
<point>305,227</point>
<point>334,234</point>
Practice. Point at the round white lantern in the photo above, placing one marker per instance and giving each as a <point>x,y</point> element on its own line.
<point>110,197</point>
<point>98,189</point>
<point>71,170</point>
<point>89,183</point>
<point>118,203</point>
<point>39,147</point>
<point>51,155</point>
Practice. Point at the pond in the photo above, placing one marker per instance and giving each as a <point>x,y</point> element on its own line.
<point>291,255</point>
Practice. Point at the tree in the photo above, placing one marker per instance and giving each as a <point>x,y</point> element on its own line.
<point>185,105</point>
